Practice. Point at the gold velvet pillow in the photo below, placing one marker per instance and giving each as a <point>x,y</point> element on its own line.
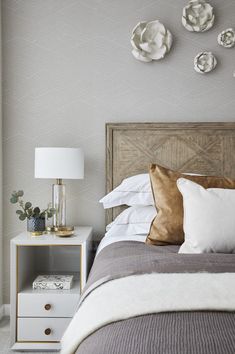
<point>167,227</point>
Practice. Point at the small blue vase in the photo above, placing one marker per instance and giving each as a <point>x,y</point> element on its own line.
<point>36,225</point>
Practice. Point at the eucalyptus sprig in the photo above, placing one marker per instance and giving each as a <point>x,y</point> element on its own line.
<point>27,210</point>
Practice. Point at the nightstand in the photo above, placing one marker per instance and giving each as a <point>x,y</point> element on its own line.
<point>40,317</point>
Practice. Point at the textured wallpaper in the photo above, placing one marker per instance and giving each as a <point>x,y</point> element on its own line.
<point>68,69</point>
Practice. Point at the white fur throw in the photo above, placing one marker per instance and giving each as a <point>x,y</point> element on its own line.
<point>145,294</point>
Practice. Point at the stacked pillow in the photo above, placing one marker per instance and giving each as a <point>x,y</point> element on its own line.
<point>167,227</point>
<point>135,192</point>
<point>193,210</point>
<point>135,220</point>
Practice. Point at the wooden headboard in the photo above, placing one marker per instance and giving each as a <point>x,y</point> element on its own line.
<point>206,148</point>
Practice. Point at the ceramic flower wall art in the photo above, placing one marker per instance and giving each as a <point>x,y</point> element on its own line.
<point>198,16</point>
<point>150,41</point>
<point>227,38</point>
<point>204,62</point>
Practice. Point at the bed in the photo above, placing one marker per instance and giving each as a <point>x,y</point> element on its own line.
<point>150,299</point>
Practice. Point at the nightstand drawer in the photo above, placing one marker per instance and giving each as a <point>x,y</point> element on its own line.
<point>41,329</point>
<point>47,305</point>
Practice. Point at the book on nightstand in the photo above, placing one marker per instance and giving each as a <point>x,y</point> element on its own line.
<point>53,282</point>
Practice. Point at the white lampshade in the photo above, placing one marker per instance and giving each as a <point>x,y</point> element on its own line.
<point>59,163</point>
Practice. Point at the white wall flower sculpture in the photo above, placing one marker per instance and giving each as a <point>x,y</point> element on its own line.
<point>205,62</point>
<point>198,16</point>
<point>150,41</point>
<point>227,38</point>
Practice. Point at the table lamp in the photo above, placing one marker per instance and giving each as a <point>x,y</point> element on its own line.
<point>59,164</point>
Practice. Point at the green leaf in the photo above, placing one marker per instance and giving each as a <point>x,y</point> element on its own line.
<point>19,212</point>
<point>28,205</point>
<point>13,200</point>
<point>22,217</point>
<point>20,193</point>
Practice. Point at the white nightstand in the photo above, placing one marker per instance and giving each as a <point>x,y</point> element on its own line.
<point>40,317</point>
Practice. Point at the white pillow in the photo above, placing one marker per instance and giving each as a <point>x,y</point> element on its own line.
<point>135,190</point>
<point>132,221</point>
<point>209,219</point>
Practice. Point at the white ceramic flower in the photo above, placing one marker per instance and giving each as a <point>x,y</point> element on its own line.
<point>227,38</point>
<point>205,62</point>
<point>150,41</point>
<point>198,16</point>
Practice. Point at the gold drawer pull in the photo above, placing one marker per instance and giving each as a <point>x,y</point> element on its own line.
<point>47,307</point>
<point>47,331</point>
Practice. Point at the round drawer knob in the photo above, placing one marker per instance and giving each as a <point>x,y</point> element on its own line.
<point>47,331</point>
<point>47,307</point>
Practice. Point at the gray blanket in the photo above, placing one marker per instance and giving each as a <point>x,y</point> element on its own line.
<point>162,333</point>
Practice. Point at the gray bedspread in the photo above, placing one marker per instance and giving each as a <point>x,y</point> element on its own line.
<point>161,333</point>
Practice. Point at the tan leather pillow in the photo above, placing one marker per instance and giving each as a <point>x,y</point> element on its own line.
<point>167,227</point>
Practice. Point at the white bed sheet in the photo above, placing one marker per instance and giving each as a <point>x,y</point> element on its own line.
<point>108,240</point>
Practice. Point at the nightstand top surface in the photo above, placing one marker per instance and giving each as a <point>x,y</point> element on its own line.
<point>80,236</point>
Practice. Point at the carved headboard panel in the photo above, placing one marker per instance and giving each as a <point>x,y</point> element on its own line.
<point>206,148</point>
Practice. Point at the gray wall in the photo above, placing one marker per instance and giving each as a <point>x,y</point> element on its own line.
<point>68,69</point>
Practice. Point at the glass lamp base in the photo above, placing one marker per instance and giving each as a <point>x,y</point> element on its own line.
<point>59,204</point>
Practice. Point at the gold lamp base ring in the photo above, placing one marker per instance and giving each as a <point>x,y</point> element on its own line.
<point>61,231</point>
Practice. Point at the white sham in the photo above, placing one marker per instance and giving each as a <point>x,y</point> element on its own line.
<point>209,221</point>
<point>132,221</point>
<point>134,190</point>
